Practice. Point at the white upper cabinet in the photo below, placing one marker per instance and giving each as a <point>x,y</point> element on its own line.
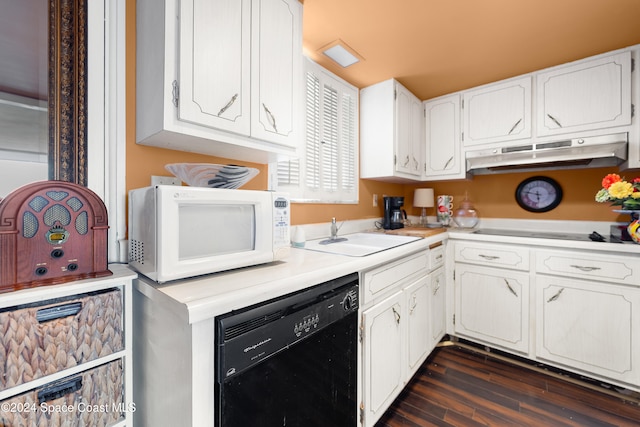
<point>498,112</point>
<point>590,94</point>
<point>276,71</point>
<point>443,154</point>
<point>391,122</point>
<point>214,67</point>
<point>220,77</point>
<point>408,132</point>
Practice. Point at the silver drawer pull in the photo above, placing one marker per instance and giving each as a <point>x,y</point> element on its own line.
<point>510,288</point>
<point>489,257</point>
<point>58,312</point>
<point>556,296</point>
<point>585,268</point>
<point>57,390</point>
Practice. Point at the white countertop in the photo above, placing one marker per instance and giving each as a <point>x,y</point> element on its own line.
<point>121,273</point>
<point>204,297</point>
<point>627,247</point>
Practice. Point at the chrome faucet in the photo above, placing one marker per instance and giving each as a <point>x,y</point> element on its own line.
<point>334,229</point>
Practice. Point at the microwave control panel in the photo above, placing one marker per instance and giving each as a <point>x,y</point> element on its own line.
<point>281,222</point>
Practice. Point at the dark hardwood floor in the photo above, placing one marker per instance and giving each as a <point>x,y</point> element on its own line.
<point>458,386</point>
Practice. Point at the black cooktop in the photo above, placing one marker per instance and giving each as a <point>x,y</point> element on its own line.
<point>593,237</point>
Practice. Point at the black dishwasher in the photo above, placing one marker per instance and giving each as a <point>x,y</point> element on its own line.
<point>290,361</point>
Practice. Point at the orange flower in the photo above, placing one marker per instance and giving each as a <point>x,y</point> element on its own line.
<point>610,179</point>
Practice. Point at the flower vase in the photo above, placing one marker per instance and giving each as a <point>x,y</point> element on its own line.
<point>634,230</point>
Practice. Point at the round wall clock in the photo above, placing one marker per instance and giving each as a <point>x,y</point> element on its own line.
<point>539,194</point>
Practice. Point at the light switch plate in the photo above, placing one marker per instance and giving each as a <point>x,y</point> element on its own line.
<point>165,180</point>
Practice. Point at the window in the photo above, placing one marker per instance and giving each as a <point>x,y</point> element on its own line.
<point>327,170</point>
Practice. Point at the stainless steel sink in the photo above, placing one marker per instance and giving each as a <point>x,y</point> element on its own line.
<point>359,244</point>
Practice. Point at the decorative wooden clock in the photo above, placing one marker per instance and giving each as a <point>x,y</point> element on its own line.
<point>539,194</point>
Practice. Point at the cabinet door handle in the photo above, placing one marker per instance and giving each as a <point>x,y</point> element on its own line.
<point>554,120</point>
<point>406,162</point>
<point>270,117</point>
<point>510,288</point>
<point>175,92</point>
<point>414,304</point>
<point>514,127</point>
<point>489,257</point>
<point>435,291</point>
<point>585,268</point>
<point>446,165</point>
<point>416,164</point>
<point>396,314</point>
<point>556,296</point>
<point>229,104</point>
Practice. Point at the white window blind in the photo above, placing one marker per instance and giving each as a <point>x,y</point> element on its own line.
<point>327,171</point>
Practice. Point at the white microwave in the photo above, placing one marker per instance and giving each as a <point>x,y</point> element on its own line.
<point>178,232</point>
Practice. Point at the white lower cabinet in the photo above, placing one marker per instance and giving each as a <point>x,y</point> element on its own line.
<point>382,356</point>
<point>399,330</point>
<point>437,304</point>
<point>492,305</point>
<point>417,307</point>
<point>575,309</point>
<point>589,327</point>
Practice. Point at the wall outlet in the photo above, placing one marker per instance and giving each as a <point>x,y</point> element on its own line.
<point>375,200</point>
<point>165,180</point>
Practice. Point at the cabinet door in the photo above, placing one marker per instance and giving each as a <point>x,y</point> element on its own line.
<point>443,156</point>
<point>383,356</point>
<point>437,303</point>
<point>276,68</point>
<point>497,113</point>
<point>592,94</point>
<point>492,305</point>
<point>214,63</point>
<point>592,327</point>
<point>408,131</point>
<point>418,323</point>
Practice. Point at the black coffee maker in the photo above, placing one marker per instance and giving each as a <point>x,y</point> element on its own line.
<point>392,213</point>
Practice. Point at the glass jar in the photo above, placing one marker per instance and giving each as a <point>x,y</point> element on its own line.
<point>466,216</point>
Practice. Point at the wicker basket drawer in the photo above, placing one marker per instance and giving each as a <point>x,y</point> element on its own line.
<point>91,398</point>
<point>39,340</point>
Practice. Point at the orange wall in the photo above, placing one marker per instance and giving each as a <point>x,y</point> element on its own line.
<point>492,195</point>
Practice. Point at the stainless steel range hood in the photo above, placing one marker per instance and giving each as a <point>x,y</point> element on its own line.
<point>597,151</point>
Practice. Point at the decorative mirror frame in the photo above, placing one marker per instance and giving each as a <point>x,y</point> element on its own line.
<point>68,91</point>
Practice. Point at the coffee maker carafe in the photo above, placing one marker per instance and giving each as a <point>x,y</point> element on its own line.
<point>392,213</point>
